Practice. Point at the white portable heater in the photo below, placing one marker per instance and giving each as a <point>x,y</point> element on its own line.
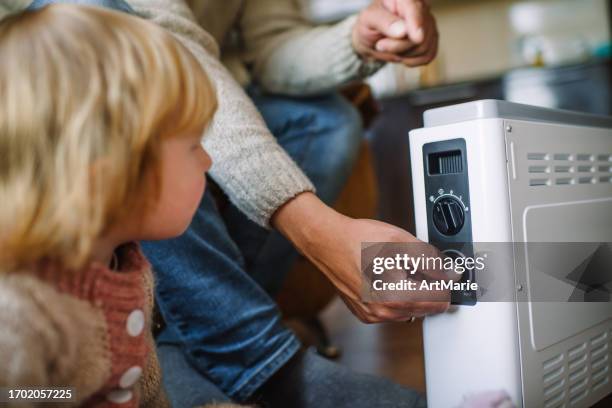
<point>498,172</point>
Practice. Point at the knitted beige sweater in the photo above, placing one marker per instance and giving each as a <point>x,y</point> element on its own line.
<point>285,54</point>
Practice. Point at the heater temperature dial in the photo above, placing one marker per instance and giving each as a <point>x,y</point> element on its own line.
<point>448,215</point>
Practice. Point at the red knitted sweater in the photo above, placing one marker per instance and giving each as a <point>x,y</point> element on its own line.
<point>126,305</point>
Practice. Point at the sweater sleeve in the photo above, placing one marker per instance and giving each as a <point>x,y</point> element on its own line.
<point>291,56</point>
<point>44,338</point>
<point>248,164</point>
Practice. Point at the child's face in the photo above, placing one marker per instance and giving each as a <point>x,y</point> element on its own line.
<point>184,163</point>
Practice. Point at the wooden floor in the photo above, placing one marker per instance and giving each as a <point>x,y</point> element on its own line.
<point>393,350</point>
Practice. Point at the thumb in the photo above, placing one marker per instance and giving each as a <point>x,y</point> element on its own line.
<point>397,29</point>
<point>414,13</point>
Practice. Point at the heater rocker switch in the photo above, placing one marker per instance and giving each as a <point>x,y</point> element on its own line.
<point>448,215</point>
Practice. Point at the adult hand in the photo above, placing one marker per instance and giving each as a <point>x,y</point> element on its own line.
<point>402,31</point>
<point>333,243</point>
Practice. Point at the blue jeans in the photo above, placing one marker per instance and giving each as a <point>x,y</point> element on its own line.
<point>215,283</point>
<point>307,381</point>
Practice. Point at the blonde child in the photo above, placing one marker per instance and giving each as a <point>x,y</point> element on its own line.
<point>101,116</point>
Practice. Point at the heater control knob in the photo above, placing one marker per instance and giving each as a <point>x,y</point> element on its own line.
<point>448,215</point>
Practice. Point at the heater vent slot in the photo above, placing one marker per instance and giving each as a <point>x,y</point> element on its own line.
<point>584,157</point>
<point>562,156</point>
<point>599,339</point>
<point>552,363</point>
<point>605,169</point>
<point>597,351</point>
<point>586,169</point>
<point>563,169</point>
<point>558,169</point>
<point>577,398</point>
<point>600,373</point>
<point>578,387</point>
<point>575,374</point>
<point>601,362</point>
<point>539,169</point>
<point>564,181</point>
<point>537,156</point>
<point>601,383</point>
<point>539,182</point>
<point>577,351</point>
<point>578,374</point>
<point>556,401</point>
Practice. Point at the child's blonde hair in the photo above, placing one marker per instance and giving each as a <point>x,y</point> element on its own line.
<point>86,97</point>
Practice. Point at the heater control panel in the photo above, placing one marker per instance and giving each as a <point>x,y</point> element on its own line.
<point>448,205</point>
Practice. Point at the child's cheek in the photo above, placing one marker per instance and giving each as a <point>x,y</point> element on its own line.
<point>193,192</point>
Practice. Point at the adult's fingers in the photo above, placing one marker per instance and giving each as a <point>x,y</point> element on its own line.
<point>380,313</point>
<point>385,56</point>
<point>415,13</point>
<point>437,304</point>
<point>383,313</point>
<point>427,308</point>
<point>383,21</point>
<point>423,59</point>
<point>399,310</point>
<point>431,39</point>
<point>393,46</point>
